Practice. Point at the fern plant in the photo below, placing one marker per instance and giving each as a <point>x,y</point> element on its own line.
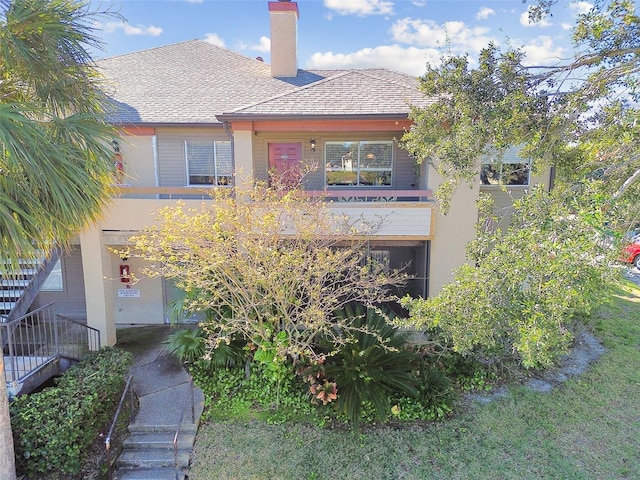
<point>187,345</point>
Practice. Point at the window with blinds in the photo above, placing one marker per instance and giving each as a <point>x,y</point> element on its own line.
<point>209,163</point>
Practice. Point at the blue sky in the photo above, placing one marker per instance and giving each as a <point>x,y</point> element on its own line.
<point>402,35</point>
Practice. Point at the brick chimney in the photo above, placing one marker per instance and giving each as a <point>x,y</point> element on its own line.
<point>284,38</point>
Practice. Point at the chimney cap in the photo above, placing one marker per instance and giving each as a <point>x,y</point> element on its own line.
<point>284,6</point>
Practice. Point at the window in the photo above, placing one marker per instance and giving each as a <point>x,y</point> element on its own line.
<point>510,170</point>
<point>358,163</point>
<point>379,259</point>
<point>53,283</point>
<point>208,163</point>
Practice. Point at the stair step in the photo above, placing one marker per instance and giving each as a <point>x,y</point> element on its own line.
<point>158,440</point>
<point>14,294</point>
<point>187,428</point>
<point>25,271</point>
<point>8,283</point>
<point>152,458</point>
<point>166,473</point>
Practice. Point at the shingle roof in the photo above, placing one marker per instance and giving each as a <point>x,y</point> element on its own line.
<point>192,82</point>
<point>350,92</point>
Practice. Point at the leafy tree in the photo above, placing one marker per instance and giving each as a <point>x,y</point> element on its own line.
<point>55,160</point>
<point>524,284</point>
<point>580,116</point>
<point>269,265</point>
<point>55,153</point>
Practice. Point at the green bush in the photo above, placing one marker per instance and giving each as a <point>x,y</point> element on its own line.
<point>374,365</point>
<point>53,429</point>
<point>231,394</point>
<point>189,345</point>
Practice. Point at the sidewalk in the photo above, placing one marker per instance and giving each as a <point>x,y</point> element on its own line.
<point>159,380</point>
<point>162,387</point>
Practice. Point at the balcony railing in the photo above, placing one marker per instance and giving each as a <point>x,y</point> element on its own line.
<point>336,195</point>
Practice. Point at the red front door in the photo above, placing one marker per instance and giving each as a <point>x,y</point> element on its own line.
<point>285,163</point>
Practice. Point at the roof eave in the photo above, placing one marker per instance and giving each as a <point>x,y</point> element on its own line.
<point>232,117</point>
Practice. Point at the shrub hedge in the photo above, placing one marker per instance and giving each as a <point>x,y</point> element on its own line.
<point>54,429</point>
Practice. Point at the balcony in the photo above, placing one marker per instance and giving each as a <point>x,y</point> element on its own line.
<point>403,214</point>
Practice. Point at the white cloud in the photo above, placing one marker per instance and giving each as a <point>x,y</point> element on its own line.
<point>194,1</point>
<point>411,60</point>
<point>360,7</point>
<point>214,39</point>
<point>128,29</point>
<point>542,51</point>
<point>263,45</point>
<point>485,13</point>
<point>525,22</point>
<point>427,33</point>
<point>580,7</point>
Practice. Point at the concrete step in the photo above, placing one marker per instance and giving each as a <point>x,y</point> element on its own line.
<point>152,458</point>
<point>158,440</point>
<point>187,428</point>
<point>165,473</point>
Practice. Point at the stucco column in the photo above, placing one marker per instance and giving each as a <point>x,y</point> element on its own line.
<point>96,267</point>
<point>452,233</point>
<point>243,156</point>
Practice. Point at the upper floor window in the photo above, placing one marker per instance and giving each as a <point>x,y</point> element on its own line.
<point>358,163</point>
<point>511,170</point>
<point>209,162</point>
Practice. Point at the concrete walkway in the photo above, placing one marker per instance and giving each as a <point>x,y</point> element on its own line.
<point>163,388</point>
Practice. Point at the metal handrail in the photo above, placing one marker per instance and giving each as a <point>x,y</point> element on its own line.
<point>189,394</point>
<point>107,442</point>
<point>40,336</point>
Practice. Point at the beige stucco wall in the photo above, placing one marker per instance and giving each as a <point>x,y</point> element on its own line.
<point>105,308</point>
<point>452,233</point>
<point>143,308</point>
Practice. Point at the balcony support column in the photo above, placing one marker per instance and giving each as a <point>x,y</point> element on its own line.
<point>95,264</point>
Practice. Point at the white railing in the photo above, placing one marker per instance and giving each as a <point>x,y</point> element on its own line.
<point>337,194</point>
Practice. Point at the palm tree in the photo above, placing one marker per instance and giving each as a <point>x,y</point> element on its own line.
<point>55,154</point>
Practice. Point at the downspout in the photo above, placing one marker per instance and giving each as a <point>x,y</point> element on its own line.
<point>227,128</point>
<point>156,163</point>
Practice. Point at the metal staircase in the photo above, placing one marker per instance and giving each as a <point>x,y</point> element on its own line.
<point>13,286</point>
<point>40,345</point>
<point>37,345</point>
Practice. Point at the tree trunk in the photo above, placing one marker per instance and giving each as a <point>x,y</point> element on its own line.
<point>7,458</point>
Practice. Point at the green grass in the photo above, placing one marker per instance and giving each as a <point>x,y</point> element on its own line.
<point>588,428</point>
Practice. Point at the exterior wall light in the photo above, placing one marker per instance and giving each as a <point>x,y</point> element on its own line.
<point>312,144</point>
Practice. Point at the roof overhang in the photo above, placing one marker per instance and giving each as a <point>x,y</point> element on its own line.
<point>317,123</point>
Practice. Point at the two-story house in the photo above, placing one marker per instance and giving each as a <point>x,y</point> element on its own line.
<point>194,116</point>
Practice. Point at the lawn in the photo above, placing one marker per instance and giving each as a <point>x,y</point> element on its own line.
<point>587,428</point>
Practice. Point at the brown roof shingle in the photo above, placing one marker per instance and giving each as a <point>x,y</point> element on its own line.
<point>192,82</point>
